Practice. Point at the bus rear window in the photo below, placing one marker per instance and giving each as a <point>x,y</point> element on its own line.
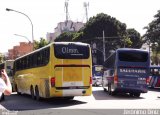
<point>133,56</point>
<point>71,51</point>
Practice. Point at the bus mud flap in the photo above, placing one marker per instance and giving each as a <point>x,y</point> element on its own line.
<point>47,92</point>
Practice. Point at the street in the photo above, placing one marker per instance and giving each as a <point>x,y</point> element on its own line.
<point>98,100</point>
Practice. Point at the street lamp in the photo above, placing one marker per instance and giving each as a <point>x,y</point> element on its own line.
<point>23,37</point>
<point>7,9</point>
<point>29,42</point>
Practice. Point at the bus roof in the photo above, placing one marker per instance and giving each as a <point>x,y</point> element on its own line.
<point>132,49</point>
<point>78,43</point>
<point>98,65</point>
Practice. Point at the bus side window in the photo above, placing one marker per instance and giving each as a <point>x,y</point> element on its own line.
<point>35,60</point>
<point>47,54</point>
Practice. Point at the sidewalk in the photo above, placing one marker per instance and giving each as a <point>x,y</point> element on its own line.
<point>1,107</point>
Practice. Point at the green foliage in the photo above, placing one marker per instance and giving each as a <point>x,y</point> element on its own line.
<point>127,41</point>
<point>106,23</point>
<point>135,38</point>
<point>153,36</point>
<point>114,32</point>
<point>66,36</point>
<point>1,58</point>
<point>39,44</point>
<point>153,30</point>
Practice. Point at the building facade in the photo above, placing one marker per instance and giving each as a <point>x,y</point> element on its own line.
<point>67,26</point>
<point>20,50</point>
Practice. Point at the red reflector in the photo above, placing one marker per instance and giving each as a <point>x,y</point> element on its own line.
<point>116,79</point>
<point>53,81</point>
<point>90,81</point>
<point>147,80</point>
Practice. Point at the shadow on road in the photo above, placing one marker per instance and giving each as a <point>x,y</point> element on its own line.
<point>101,95</point>
<point>154,89</point>
<point>24,102</point>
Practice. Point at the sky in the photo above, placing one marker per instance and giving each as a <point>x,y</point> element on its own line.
<point>46,14</point>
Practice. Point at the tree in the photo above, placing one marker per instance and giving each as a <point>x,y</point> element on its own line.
<point>115,34</point>
<point>1,57</point>
<point>40,44</point>
<point>103,22</point>
<point>114,31</point>
<point>135,38</point>
<point>66,36</point>
<point>153,29</point>
<point>152,36</point>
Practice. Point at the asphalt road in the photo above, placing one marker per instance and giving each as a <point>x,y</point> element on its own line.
<point>97,101</point>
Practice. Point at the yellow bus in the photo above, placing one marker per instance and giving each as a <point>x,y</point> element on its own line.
<point>60,69</point>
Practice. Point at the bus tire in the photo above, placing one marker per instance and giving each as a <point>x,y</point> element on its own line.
<point>32,92</point>
<point>109,89</point>
<point>137,94</point>
<point>37,93</point>
<point>113,93</point>
<point>104,89</point>
<point>16,88</point>
<point>131,94</point>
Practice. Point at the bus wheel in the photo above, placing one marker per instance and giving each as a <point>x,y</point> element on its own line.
<point>137,94</point>
<point>131,94</point>
<point>113,93</point>
<point>37,93</point>
<point>104,89</point>
<point>16,88</point>
<point>109,89</point>
<point>32,92</point>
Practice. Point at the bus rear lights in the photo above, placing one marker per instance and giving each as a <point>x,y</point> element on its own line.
<point>147,80</point>
<point>90,81</point>
<point>53,81</point>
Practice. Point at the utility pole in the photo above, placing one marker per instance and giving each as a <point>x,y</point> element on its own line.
<point>66,8</point>
<point>7,9</point>
<point>104,51</point>
<point>86,5</point>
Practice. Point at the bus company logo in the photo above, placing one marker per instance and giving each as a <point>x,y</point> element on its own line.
<point>127,70</point>
<point>66,50</point>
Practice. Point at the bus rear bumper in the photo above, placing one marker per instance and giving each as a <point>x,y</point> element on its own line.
<point>71,91</point>
<point>130,90</point>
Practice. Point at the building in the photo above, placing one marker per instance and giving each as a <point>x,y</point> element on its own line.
<point>67,26</point>
<point>20,50</point>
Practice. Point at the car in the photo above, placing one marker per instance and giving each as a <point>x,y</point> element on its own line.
<point>97,80</point>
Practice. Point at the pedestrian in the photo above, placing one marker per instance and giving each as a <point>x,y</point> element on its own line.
<point>5,84</point>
